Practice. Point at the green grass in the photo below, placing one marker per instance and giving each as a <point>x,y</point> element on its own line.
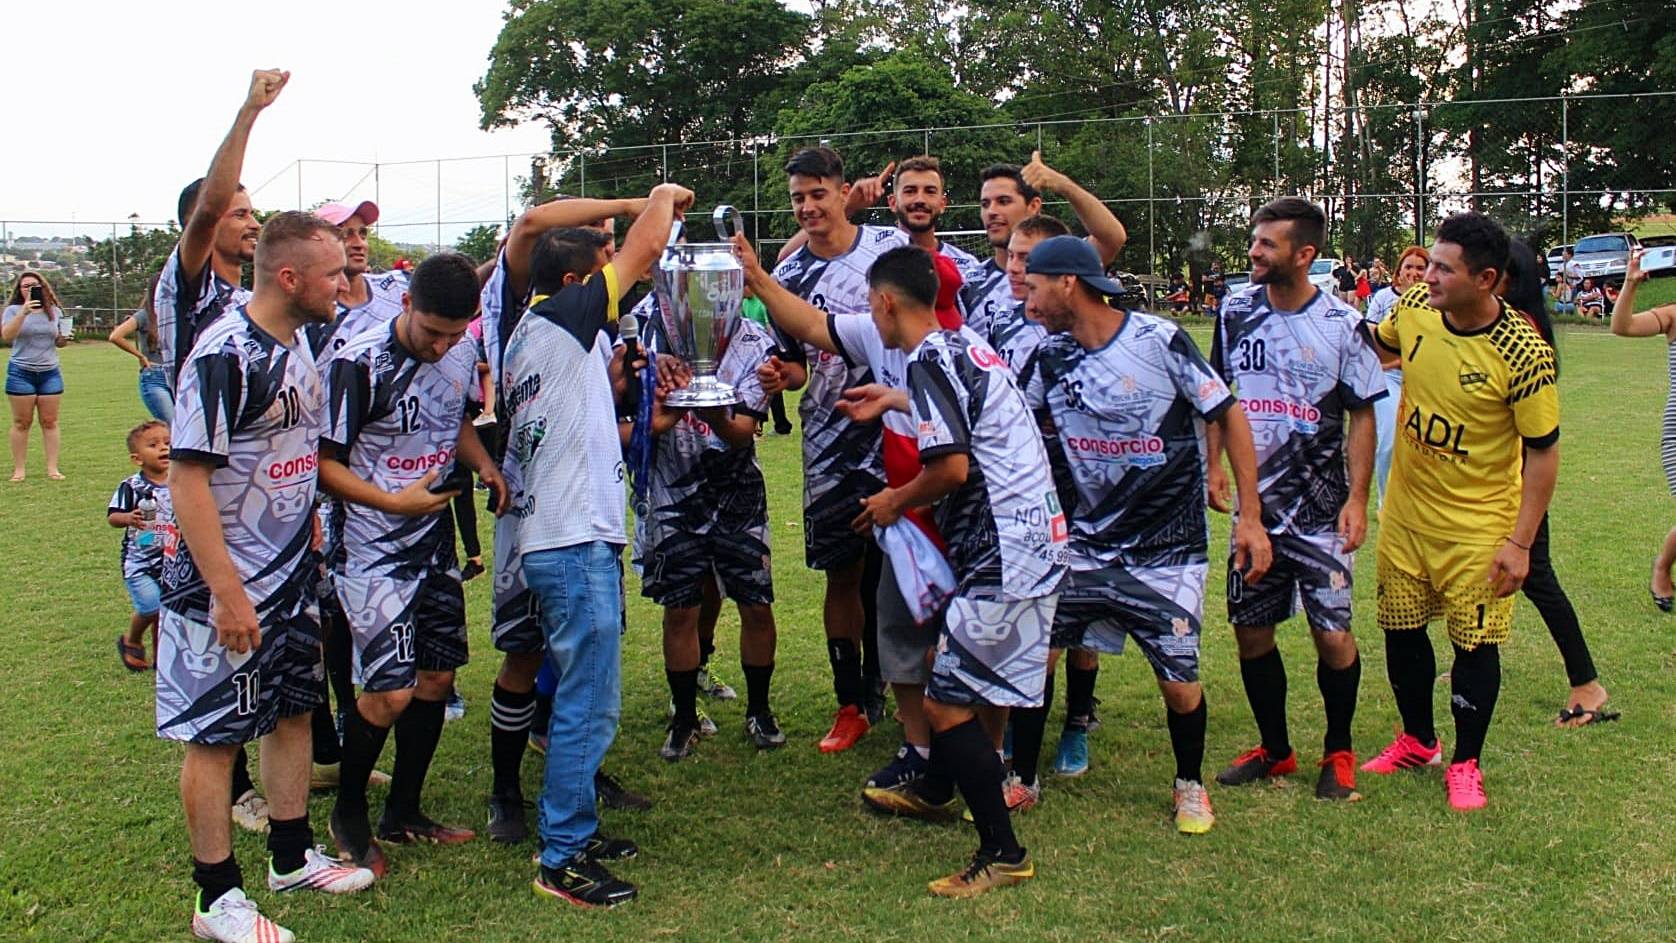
<point>1577,842</point>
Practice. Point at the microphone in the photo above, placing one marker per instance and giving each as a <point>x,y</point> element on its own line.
<point>628,329</point>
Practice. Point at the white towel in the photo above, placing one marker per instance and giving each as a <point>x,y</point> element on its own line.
<point>922,574</point>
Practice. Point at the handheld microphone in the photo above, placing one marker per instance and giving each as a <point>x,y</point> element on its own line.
<point>628,329</point>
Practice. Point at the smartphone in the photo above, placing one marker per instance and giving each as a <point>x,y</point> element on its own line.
<point>453,477</point>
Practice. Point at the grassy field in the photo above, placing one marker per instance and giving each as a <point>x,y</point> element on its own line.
<point>1576,844</point>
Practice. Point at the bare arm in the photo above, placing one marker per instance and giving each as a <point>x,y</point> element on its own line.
<point>124,519</point>
<point>1512,562</point>
<point>558,214</point>
<point>940,476</point>
<point>221,184</point>
<point>469,449</point>
<point>796,317</point>
<point>1626,321</point>
<point>14,324</point>
<point>649,235</point>
<point>1104,228</point>
<point>199,519</point>
<point>1353,517</point>
<point>736,429</point>
<point>119,336</point>
<point>1252,554</point>
<point>415,500</point>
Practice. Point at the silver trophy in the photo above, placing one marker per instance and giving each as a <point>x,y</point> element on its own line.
<point>701,291</point>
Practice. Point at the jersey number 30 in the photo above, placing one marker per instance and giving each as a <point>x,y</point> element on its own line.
<point>1253,355</point>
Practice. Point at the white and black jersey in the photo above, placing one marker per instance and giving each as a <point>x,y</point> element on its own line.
<point>985,297</point>
<point>1015,337</point>
<point>383,305</point>
<point>142,547</point>
<point>185,307</point>
<point>969,265</point>
<point>1004,527</point>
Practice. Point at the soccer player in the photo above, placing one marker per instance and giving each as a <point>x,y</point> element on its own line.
<point>516,629</point>
<point>986,475</point>
<point>559,384</point>
<point>1008,195</point>
<point>707,519</point>
<point>218,235</point>
<point>842,462</point>
<point>368,300</point>
<point>400,398</point>
<point>1478,390</point>
<point>238,642</point>
<point>1303,368</point>
<point>1128,394</point>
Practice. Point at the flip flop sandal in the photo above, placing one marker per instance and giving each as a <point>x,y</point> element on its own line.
<point>1600,715</point>
<point>133,656</point>
<point>1665,603</point>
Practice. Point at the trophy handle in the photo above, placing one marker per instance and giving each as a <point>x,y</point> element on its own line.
<point>724,215</point>
<point>676,229</point>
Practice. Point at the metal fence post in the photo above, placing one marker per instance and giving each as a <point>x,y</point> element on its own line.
<point>1565,170</point>
<point>1275,123</point>
<point>582,163</point>
<point>377,186</point>
<point>506,186</point>
<point>439,205</point>
<point>116,275</point>
<point>1151,206</point>
<point>664,164</point>
<point>299,190</point>
<point>756,196</point>
<point>1419,175</point>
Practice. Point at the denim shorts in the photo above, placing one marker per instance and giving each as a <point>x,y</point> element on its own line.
<point>144,592</point>
<point>23,381</point>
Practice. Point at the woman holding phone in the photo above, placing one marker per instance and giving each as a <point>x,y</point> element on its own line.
<point>35,326</point>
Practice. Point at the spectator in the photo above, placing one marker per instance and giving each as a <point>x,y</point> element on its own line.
<point>1379,276</point>
<point>159,400</point>
<point>35,326</point>
<point>1411,267</point>
<point>1346,275</point>
<point>1570,272</point>
<point>1591,301</point>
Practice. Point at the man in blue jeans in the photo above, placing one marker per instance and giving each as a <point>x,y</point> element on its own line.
<point>564,474</point>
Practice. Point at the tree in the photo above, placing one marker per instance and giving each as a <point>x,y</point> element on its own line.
<point>479,243</point>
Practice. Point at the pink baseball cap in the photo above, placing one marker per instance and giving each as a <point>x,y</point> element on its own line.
<point>337,213</point>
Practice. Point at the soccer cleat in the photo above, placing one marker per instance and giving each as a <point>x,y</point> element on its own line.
<point>584,882</point>
<point>706,726</point>
<point>506,819</point>
<point>764,731</point>
<point>355,843</point>
<point>456,708</point>
<point>899,772</point>
<point>683,737</point>
<point>906,801</point>
<point>613,796</point>
<point>1018,796</point>
<point>233,918</point>
<point>1338,777</point>
<point>714,687</point>
<point>250,811</point>
<point>320,872</point>
<point>1255,764</point>
<point>420,828</point>
<point>1072,758</point>
<point>847,728</point>
<point>1466,786</point>
<point>985,873</point>
<point>1192,808</point>
<point>602,847</point>
<point>1405,752</point>
<point>873,701</point>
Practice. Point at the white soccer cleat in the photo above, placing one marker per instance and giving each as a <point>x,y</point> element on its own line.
<point>233,918</point>
<point>320,872</point>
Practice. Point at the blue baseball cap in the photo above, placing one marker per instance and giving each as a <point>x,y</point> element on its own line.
<point>1068,255</point>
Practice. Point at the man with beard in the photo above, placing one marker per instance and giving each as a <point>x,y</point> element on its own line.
<point>1008,195</point>
<point>238,642</point>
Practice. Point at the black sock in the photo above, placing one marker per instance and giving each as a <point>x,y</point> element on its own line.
<point>363,741</point>
<point>1187,739</point>
<point>1079,694</point>
<point>417,732</point>
<point>1412,667</point>
<point>1475,682</point>
<point>1265,688</point>
<point>241,774</point>
<point>327,750</point>
<point>1338,694</point>
<point>1029,725</point>
<point>510,713</point>
<point>214,880</point>
<point>706,648</point>
<point>846,670</point>
<point>288,839</point>
<point>968,757</point>
<point>543,712</point>
<point>337,643</point>
<point>757,681</point>
<point>683,691</point>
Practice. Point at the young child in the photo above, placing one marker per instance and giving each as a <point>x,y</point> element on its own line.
<point>134,509</point>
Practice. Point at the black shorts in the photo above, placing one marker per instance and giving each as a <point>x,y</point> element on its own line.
<point>829,540</point>
<point>675,570</point>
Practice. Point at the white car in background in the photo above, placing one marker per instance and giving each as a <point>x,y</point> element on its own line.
<point>1321,275</point>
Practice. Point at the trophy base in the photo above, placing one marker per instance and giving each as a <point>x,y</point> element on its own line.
<point>702,392</point>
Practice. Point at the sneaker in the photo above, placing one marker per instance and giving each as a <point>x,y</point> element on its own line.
<point>1072,758</point>
<point>1338,777</point>
<point>250,811</point>
<point>472,570</point>
<point>706,726</point>
<point>1255,764</point>
<point>613,796</point>
<point>233,918</point>
<point>1466,786</point>
<point>355,843</point>
<point>584,882</point>
<point>456,705</point>
<point>602,847</point>
<point>764,731</point>
<point>680,742</point>
<point>848,727</point>
<point>985,873</point>
<point>320,872</point>
<point>1405,752</point>
<point>1192,808</point>
<point>899,772</point>
<point>419,827</point>
<point>1018,796</point>
<point>906,801</point>
<point>713,687</point>
<point>506,819</point>
<point>324,777</point>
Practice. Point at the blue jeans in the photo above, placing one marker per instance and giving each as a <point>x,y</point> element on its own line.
<point>159,400</point>
<point>580,592</point>
<point>1385,424</point>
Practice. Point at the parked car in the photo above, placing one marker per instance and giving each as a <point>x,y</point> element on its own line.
<point>1556,258</point>
<point>1321,275</point>
<point>1604,257</point>
<point>1234,281</point>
